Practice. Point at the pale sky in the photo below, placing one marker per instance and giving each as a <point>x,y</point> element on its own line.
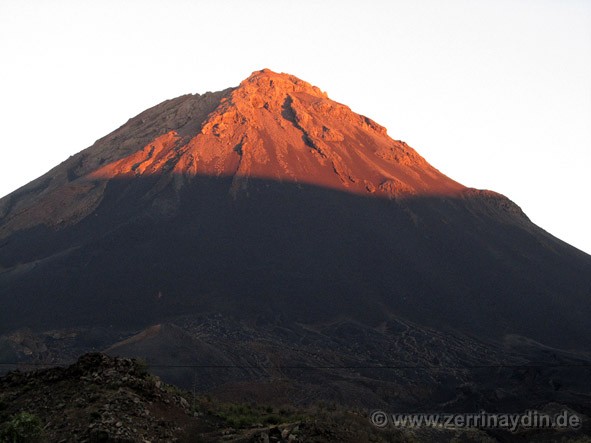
<point>496,94</point>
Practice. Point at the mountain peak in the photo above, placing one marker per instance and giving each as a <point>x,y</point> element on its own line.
<point>277,126</point>
<point>266,82</point>
<point>273,126</point>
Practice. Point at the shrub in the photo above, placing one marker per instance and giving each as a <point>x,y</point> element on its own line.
<point>22,428</point>
<point>272,420</point>
<point>141,366</point>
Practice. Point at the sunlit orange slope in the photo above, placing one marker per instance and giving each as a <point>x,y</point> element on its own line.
<point>275,126</point>
<point>272,126</point>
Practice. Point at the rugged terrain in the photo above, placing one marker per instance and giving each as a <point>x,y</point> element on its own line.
<point>265,241</point>
<point>103,399</point>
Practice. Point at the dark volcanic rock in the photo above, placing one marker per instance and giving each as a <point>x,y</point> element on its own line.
<point>103,399</point>
<point>96,399</point>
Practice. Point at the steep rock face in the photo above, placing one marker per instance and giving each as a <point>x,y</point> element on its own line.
<point>270,199</point>
<point>273,126</point>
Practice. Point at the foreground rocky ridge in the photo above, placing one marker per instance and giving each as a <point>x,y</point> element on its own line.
<point>105,399</point>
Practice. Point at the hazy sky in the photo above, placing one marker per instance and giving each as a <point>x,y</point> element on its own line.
<point>495,94</point>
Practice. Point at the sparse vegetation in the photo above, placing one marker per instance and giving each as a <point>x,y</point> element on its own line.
<point>141,366</point>
<point>248,416</point>
<point>85,404</point>
<point>22,428</point>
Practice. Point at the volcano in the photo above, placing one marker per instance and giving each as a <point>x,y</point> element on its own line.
<point>268,227</point>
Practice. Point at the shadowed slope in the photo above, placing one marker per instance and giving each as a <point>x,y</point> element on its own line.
<point>307,253</point>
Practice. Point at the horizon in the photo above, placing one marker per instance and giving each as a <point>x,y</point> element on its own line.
<point>495,95</point>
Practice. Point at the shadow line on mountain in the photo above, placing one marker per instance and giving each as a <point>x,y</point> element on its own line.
<point>471,263</point>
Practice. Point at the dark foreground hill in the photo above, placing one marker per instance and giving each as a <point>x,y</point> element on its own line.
<point>103,399</point>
